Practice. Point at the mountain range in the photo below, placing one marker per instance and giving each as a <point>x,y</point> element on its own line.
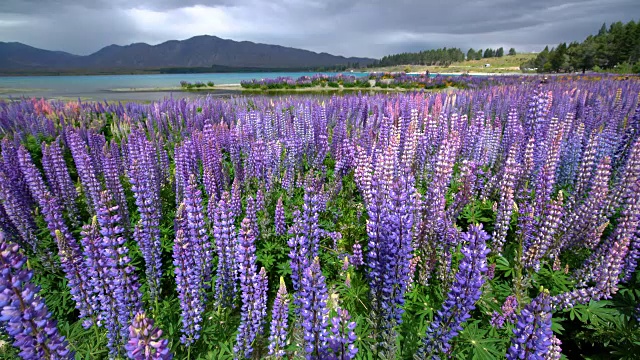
<point>199,52</point>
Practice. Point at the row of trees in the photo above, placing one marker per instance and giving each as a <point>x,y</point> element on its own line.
<point>487,53</point>
<point>441,57</point>
<point>616,48</point>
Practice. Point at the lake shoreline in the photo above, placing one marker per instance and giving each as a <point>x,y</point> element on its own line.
<point>239,89</point>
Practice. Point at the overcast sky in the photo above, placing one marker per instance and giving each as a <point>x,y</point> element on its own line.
<point>344,27</point>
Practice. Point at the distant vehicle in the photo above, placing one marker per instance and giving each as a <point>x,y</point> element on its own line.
<point>487,65</point>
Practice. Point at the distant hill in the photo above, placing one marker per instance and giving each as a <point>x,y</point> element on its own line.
<point>196,52</point>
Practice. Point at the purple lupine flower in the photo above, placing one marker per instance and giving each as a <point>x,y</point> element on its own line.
<point>196,231</point>
<point>342,337</point>
<point>545,234</point>
<point>236,198</point>
<point>491,271</point>
<point>120,292</point>
<point>211,164</point>
<point>188,280</point>
<point>607,262</point>
<point>145,342</point>
<point>145,185</point>
<point>24,313</point>
<point>507,203</point>
<point>462,296</point>
<point>309,218</point>
<point>253,287</point>
<point>508,312</point>
<point>58,177</point>
<point>260,201</point>
<point>6,224</point>
<point>555,352</point>
<point>185,166</point>
<point>10,166</point>
<point>279,219</point>
<point>299,254</point>
<point>252,215</point>
<point>356,258</point>
<point>580,226</point>
<point>314,313</point>
<point>100,270</point>
<point>390,228</point>
<point>86,171</point>
<point>279,323</point>
<point>111,174</point>
<point>71,259</point>
<point>224,233</point>
<point>96,144</point>
<point>17,210</point>
<point>532,333</point>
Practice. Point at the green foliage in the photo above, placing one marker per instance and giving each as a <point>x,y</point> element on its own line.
<point>611,50</point>
<point>442,56</point>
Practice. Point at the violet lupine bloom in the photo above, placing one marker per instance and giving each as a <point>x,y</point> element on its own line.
<point>607,262</point>
<point>253,287</point>
<point>279,219</point>
<point>532,332</point>
<point>58,177</point>
<point>461,299</point>
<point>390,229</point>
<point>11,168</point>
<point>71,259</point>
<point>314,313</point>
<point>120,297</point>
<point>224,233</point>
<point>236,198</point>
<point>342,337</point>
<point>111,174</point>
<point>545,234</point>
<point>508,312</point>
<point>86,171</point>
<point>555,352</point>
<point>309,219</point>
<point>581,225</point>
<point>506,203</point>
<point>356,258</point>
<point>252,215</point>
<point>190,291</point>
<point>17,211</point>
<point>279,323</point>
<point>23,312</point>
<point>196,231</point>
<point>395,251</point>
<point>299,254</point>
<point>145,185</point>
<point>145,342</point>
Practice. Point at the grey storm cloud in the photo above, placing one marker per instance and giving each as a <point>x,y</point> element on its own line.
<point>345,27</point>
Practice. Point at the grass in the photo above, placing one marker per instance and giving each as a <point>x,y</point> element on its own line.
<point>501,65</point>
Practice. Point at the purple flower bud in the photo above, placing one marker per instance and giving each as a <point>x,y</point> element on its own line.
<point>461,299</point>
<point>532,333</point>
<point>279,323</point>
<point>279,219</point>
<point>145,342</point>
<point>23,312</point>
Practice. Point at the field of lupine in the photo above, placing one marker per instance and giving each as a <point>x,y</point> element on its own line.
<point>476,224</point>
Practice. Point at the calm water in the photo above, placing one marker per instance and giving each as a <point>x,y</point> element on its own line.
<point>98,87</point>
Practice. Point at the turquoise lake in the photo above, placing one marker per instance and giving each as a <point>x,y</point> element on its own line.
<point>99,87</point>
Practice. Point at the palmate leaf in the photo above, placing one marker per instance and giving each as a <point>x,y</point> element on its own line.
<point>479,345</point>
<point>224,351</point>
<point>502,265</point>
<point>594,313</point>
<point>556,281</point>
